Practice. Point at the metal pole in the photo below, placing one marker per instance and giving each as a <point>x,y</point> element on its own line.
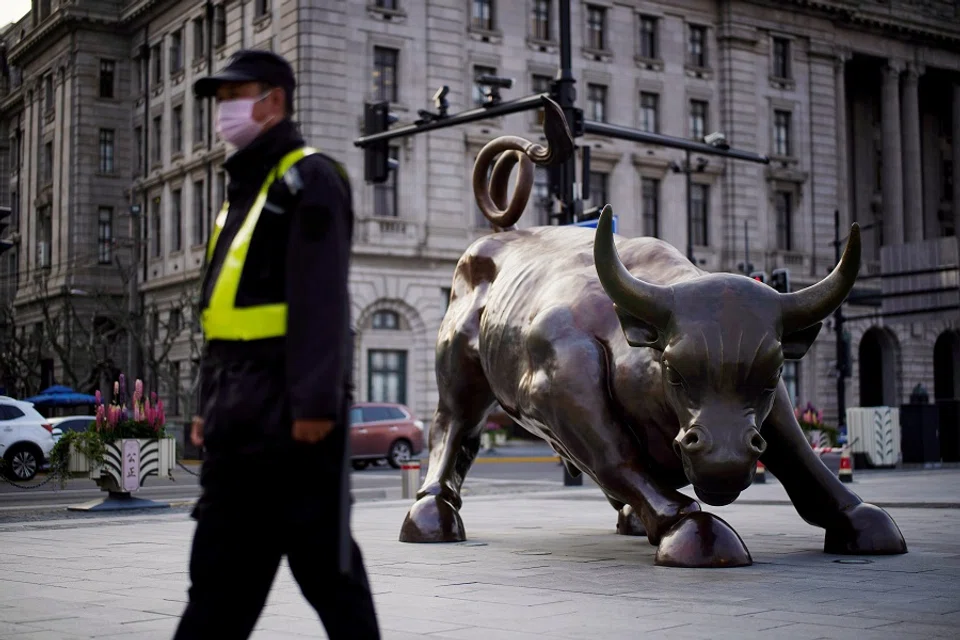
<point>838,325</point>
<point>687,169</point>
<point>567,97</point>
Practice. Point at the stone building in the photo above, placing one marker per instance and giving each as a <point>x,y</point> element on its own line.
<point>856,102</point>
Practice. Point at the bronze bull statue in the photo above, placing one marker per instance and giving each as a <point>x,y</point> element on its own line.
<point>638,368</point>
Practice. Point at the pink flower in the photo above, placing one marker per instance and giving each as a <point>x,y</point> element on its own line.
<point>161,415</point>
<point>98,397</point>
<point>101,416</point>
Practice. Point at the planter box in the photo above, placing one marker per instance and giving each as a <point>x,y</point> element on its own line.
<point>127,463</point>
<point>874,432</point>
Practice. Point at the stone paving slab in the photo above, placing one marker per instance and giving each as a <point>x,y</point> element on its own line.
<point>544,565</point>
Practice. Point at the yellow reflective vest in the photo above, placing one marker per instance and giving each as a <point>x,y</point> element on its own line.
<point>222,319</point>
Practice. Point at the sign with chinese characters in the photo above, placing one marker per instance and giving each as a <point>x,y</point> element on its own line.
<point>131,465</point>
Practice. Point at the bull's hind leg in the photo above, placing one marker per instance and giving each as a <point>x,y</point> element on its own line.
<point>628,520</point>
<point>465,399</point>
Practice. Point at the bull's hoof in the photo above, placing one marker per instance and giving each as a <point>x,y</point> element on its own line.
<point>866,530</point>
<point>629,523</point>
<point>702,540</point>
<point>432,519</point>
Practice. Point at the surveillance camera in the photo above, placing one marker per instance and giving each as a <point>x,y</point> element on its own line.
<point>441,94</point>
<point>495,81</point>
<point>716,139</point>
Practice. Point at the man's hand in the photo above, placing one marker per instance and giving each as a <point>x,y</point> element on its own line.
<point>311,431</point>
<point>196,431</point>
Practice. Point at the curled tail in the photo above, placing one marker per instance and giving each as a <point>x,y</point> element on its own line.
<point>492,197</point>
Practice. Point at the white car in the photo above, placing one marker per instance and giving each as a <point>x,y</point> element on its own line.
<point>70,423</point>
<point>26,439</point>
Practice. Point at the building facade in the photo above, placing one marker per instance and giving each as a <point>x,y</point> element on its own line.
<point>114,169</point>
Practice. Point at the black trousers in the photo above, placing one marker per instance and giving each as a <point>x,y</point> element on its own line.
<point>241,536</point>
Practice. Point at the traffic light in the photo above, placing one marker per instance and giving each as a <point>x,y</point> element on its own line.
<point>5,213</point>
<point>759,276</point>
<point>377,162</point>
<point>780,280</point>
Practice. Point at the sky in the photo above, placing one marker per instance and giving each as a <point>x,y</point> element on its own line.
<point>12,10</point>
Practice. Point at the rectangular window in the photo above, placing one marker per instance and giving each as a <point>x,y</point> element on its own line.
<point>697,46</point>
<point>138,74</point>
<point>199,121</point>
<point>482,15</point>
<point>649,112</point>
<point>791,380</point>
<point>45,235</point>
<point>699,206</point>
<point>138,151</point>
<point>199,39</point>
<point>599,195</point>
<point>199,217</point>
<point>156,57</point>
<point>540,20</point>
<point>698,119</point>
<point>781,58</point>
<point>650,189</point>
<point>48,93</point>
<point>262,8</point>
<point>156,221</point>
<point>387,376</point>
<point>385,73</point>
<point>387,4</point>
<point>105,235</point>
<point>106,150</point>
<point>540,84</point>
<point>597,102</point>
<point>540,195</point>
<point>176,220</point>
<point>219,25</point>
<point>385,195</point>
<point>176,140</point>
<point>480,91</point>
<point>46,166</point>
<point>648,37</point>
<point>176,51</point>
<point>781,133</point>
<point>157,139</point>
<point>108,72</point>
<point>596,28</point>
<point>784,204</point>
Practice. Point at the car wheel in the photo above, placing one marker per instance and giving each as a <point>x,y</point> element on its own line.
<point>22,463</point>
<point>400,451</point>
<point>360,465</point>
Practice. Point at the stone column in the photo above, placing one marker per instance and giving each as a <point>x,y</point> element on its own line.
<point>956,159</point>
<point>892,163</point>
<point>912,161</point>
<point>843,168</point>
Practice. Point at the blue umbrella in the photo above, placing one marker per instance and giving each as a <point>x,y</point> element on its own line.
<point>60,396</point>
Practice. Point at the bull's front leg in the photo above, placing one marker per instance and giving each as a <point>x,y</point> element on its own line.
<point>852,526</point>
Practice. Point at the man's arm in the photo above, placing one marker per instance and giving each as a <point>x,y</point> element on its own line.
<point>318,259</point>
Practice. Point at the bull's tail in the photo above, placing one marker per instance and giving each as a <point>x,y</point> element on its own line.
<point>492,197</point>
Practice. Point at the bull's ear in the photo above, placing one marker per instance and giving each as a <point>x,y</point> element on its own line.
<point>796,344</point>
<point>639,333</point>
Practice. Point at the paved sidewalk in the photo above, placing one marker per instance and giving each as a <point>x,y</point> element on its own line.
<point>536,566</point>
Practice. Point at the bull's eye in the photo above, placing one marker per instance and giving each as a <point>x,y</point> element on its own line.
<point>673,377</point>
<point>771,386</point>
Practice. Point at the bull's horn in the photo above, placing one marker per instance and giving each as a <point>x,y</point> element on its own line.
<point>811,305</point>
<point>651,303</point>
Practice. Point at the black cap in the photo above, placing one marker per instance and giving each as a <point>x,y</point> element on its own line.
<point>250,65</point>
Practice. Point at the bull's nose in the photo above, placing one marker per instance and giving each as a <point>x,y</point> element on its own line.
<point>755,442</point>
<point>693,441</point>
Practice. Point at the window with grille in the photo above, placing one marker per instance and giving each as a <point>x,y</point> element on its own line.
<point>481,16</point>
<point>46,164</point>
<point>650,189</point>
<point>784,206</point>
<point>199,213</point>
<point>781,133</point>
<point>385,73</point>
<point>106,150</point>
<point>176,140</point>
<point>387,4</point>
<point>48,104</point>
<point>699,207</point>
<point>156,221</point>
<point>176,220</point>
<point>387,376</point>
<point>176,52</point>
<point>698,119</point>
<point>199,121</point>
<point>108,73</point>
<point>262,7</point>
<point>596,28</point>
<point>157,139</point>
<point>385,319</point>
<point>599,196</point>
<point>649,112</point>
<point>385,194</point>
<point>597,102</point>
<point>697,46</point>
<point>105,235</point>
<point>540,20</point>
<point>781,58</point>
<point>648,37</point>
<point>219,25</point>
<point>480,91</point>
<point>157,58</point>
<point>199,39</point>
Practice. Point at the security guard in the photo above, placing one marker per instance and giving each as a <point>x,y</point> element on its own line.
<point>275,374</point>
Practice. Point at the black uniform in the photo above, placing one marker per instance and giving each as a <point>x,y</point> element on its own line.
<point>265,495</point>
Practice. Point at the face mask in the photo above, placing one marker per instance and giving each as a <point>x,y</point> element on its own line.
<point>235,121</point>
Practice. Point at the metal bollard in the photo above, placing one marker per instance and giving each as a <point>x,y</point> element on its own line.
<point>409,479</point>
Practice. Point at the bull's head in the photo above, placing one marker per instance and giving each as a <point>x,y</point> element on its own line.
<point>723,340</point>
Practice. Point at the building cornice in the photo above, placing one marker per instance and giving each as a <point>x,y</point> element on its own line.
<point>903,18</point>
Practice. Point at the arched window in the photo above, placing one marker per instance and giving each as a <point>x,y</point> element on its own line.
<point>388,320</point>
